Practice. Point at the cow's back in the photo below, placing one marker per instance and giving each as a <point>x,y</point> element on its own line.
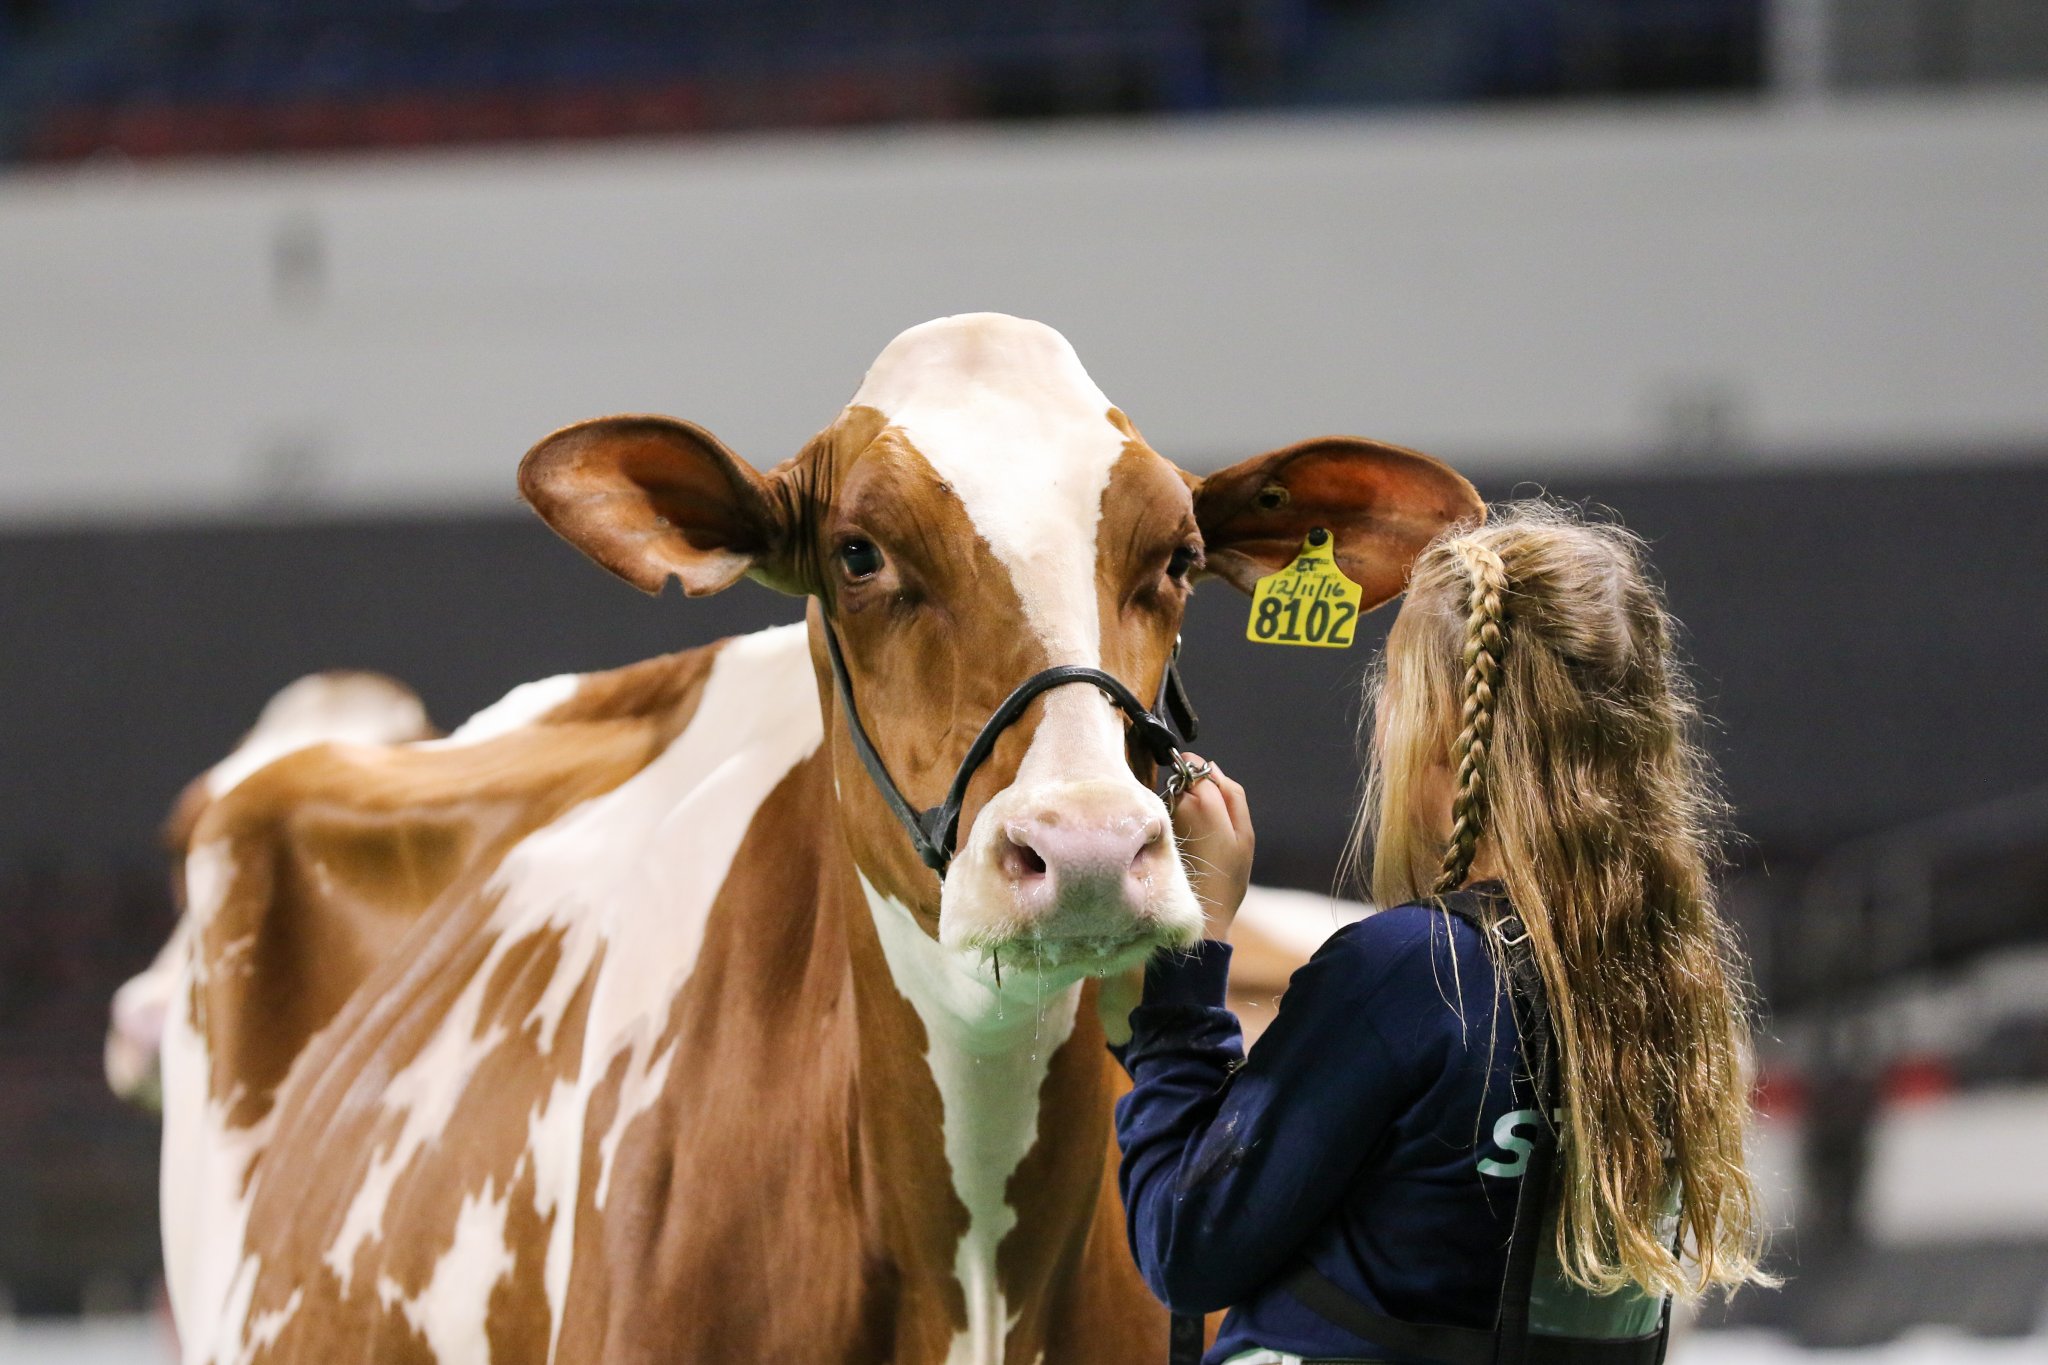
<point>411,963</point>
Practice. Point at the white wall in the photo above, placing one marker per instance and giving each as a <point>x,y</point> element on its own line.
<point>1510,290</point>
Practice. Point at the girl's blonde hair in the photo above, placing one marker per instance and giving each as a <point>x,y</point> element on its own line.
<point>1536,655</point>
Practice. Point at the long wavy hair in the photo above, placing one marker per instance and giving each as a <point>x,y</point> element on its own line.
<point>1532,671</point>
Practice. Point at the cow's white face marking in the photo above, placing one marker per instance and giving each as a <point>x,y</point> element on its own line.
<point>1005,414</point>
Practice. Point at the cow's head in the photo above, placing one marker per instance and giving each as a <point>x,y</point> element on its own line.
<point>977,513</point>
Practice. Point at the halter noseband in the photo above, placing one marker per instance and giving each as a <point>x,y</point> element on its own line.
<point>933,833</point>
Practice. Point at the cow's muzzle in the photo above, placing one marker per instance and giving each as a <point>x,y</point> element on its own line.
<point>1075,860</point>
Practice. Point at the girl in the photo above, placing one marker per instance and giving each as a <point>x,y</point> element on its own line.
<point>1541,820</point>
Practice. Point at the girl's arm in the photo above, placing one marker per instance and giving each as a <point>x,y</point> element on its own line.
<point>1230,1163</point>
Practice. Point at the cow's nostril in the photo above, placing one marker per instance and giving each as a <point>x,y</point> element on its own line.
<point>1020,860</point>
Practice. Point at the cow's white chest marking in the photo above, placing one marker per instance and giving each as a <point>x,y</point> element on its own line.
<point>989,1054</point>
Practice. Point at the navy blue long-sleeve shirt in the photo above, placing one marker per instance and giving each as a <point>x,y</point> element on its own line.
<point>1378,1129</point>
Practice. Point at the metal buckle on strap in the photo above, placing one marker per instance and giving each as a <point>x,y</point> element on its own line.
<point>1511,940</point>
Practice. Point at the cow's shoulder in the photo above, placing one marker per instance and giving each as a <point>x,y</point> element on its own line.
<point>313,869</point>
<point>661,692</point>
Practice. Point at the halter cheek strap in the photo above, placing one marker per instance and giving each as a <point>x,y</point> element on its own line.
<point>935,832</point>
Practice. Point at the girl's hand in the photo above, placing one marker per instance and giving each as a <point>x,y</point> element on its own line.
<point>1214,826</point>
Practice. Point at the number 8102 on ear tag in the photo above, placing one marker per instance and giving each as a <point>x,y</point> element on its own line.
<point>1310,602</point>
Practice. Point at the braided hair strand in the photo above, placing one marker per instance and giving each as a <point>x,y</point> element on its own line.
<point>1485,639</point>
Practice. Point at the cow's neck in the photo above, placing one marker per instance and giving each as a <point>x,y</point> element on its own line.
<point>989,1052</point>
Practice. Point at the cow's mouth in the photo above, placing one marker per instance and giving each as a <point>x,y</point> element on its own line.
<point>1092,954</point>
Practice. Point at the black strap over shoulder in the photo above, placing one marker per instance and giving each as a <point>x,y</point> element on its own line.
<point>1510,1342</point>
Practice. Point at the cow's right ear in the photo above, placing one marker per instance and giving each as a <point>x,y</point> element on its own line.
<point>654,498</point>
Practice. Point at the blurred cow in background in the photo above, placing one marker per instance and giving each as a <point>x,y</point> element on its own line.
<point>338,707</point>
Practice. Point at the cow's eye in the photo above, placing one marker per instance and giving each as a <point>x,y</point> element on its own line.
<point>1184,559</point>
<point>860,558</point>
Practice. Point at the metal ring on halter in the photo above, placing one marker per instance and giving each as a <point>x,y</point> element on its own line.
<point>1184,776</point>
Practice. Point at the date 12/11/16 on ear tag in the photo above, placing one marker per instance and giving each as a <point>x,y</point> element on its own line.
<point>1310,602</point>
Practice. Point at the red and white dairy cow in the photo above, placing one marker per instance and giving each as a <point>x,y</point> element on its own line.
<point>623,1024</point>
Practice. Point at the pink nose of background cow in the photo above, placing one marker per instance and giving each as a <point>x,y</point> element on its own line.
<point>1080,867</point>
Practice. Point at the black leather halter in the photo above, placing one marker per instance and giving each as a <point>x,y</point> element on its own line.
<point>933,833</point>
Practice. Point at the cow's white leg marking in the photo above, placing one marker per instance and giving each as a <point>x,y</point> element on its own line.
<point>629,876</point>
<point>989,1052</point>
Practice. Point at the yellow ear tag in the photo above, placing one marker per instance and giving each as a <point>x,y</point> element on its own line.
<point>1310,602</point>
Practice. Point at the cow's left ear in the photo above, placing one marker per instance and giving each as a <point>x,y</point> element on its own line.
<point>654,498</point>
<point>1381,502</point>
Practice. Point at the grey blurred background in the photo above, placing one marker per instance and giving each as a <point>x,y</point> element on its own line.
<point>286,289</point>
